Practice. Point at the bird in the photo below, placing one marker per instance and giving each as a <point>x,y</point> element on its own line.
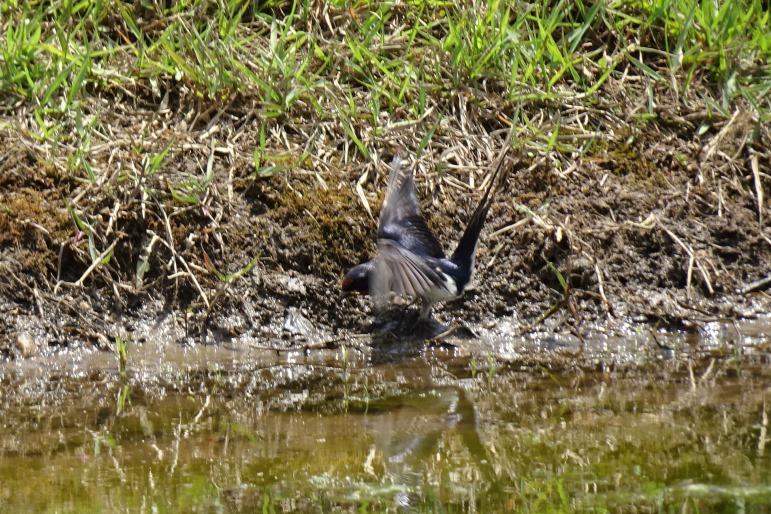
<point>409,261</point>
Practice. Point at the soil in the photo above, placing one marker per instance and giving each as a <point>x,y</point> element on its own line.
<point>648,223</point>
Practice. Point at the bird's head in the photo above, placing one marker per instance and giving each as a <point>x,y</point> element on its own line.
<point>357,279</point>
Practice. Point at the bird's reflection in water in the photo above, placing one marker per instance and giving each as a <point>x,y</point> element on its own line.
<point>413,439</point>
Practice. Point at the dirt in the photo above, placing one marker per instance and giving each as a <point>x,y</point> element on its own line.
<point>646,223</point>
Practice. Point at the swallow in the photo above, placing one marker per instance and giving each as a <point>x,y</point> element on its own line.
<point>410,261</point>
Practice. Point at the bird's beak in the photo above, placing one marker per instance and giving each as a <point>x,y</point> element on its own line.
<point>346,283</point>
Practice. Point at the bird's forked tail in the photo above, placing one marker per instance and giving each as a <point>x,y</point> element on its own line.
<point>464,252</point>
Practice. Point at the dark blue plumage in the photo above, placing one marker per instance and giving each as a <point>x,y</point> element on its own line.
<point>410,260</point>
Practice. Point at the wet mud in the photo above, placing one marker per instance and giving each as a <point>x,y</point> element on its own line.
<point>630,236</point>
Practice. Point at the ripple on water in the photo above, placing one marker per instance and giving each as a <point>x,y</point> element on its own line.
<point>497,423</point>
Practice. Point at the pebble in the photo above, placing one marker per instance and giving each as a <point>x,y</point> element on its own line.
<point>297,324</point>
<point>26,345</point>
<point>292,284</point>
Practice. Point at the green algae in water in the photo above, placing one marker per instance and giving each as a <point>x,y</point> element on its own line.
<point>514,443</point>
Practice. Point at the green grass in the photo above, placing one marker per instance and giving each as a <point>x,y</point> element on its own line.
<point>55,53</point>
<point>354,63</point>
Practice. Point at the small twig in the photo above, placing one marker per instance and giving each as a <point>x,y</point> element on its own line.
<point>689,276</point>
<point>197,417</point>
<point>758,186</point>
<point>707,372</point>
<point>600,286</point>
<point>691,254</point>
<point>762,435</point>
<point>144,259</point>
<point>659,343</point>
<point>189,272</point>
<point>408,123</point>
<point>457,184</point>
<point>758,285</point>
<point>88,271</point>
<point>692,377</point>
<point>113,217</point>
<point>37,226</point>
<point>715,142</point>
<point>543,317</point>
<point>59,262</point>
<point>361,195</point>
<point>509,228</point>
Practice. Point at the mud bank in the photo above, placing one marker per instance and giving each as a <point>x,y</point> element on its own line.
<point>635,229</point>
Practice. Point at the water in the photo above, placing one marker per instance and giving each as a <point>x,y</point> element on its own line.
<point>221,429</point>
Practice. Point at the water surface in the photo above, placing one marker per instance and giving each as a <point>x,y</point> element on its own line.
<point>424,428</point>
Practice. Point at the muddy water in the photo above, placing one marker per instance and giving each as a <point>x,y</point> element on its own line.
<point>481,426</point>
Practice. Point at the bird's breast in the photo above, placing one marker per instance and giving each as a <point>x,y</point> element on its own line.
<point>447,291</point>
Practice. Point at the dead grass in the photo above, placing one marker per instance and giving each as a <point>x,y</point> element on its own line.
<point>172,148</point>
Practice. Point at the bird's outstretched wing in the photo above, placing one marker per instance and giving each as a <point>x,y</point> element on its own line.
<point>400,218</point>
<point>399,271</point>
